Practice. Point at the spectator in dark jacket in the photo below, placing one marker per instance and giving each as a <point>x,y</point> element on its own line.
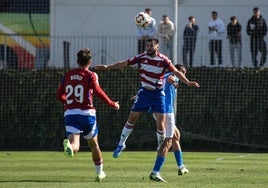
<point>235,45</point>
<point>257,29</point>
<point>189,40</point>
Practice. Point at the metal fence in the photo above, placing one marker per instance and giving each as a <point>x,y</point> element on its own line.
<point>61,51</point>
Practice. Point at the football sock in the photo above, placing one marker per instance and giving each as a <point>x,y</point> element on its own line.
<point>178,156</point>
<point>125,133</point>
<point>98,166</point>
<point>159,162</point>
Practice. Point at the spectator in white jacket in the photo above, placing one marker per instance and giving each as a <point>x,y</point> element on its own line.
<point>165,32</point>
<point>216,31</point>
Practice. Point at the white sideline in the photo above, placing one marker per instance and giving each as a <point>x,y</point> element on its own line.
<point>240,156</point>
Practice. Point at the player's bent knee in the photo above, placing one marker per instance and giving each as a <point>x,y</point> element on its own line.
<point>168,143</point>
<point>93,143</point>
<point>165,147</point>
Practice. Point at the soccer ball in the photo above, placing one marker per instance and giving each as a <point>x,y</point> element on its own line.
<point>142,19</point>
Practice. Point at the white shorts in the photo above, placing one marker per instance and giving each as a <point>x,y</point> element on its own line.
<point>170,125</point>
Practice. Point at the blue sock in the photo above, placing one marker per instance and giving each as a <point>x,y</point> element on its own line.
<point>178,156</point>
<point>159,162</point>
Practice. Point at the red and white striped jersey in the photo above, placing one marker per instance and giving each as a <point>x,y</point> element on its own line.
<point>151,69</point>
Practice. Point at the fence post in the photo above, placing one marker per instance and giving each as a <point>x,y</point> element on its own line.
<point>66,54</point>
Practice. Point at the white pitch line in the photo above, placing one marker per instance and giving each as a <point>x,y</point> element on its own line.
<point>244,155</point>
<point>240,156</point>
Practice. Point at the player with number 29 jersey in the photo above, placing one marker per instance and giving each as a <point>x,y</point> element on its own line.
<point>77,89</point>
<point>76,92</point>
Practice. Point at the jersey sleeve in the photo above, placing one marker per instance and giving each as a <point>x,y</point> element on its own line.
<point>134,61</point>
<point>60,95</point>
<point>94,84</point>
<point>170,66</point>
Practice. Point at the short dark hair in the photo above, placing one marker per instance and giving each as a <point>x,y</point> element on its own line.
<point>214,13</point>
<point>190,18</point>
<point>164,16</point>
<point>83,56</point>
<point>256,9</point>
<point>154,40</point>
<point>233,18</point>
<point>179,66</point>
<point>147,10</point>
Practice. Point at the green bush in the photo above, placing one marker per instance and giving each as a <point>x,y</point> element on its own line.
<point>227,113</point>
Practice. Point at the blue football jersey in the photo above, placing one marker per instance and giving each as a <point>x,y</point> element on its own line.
<point>170,94</point>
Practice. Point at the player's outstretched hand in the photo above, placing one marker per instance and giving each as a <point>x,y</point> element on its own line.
<point>117,106</point>
<point>193,84</point>
<point>101,67</point>
<point>171,79</point>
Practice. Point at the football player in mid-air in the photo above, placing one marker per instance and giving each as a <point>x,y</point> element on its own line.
<point>76,93</point>
<point>170,88</point>
<point>152,66</point>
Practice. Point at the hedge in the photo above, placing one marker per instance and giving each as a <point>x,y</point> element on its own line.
<point>229,112</point>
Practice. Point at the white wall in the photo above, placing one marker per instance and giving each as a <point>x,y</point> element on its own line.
<point>101,17</point>
<point>227,8</point>
<point>88,19</point>
<point>108,29</point>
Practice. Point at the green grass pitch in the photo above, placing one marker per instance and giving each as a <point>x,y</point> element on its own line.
<point>132,169</point>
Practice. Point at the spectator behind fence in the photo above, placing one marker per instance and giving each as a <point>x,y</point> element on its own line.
<point>147,32</point>
<point>216,30</point>
<point>165,31</point>
<point>189,41</point>
<point>257,29</point>
<point>235,45</point>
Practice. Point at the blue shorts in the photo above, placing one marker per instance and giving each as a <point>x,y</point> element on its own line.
<point>149,99</point>
<point>84,124</point>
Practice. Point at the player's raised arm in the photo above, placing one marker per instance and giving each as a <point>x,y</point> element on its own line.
<point>118,65</point>
<point>185,80</point>
<point>101,94</point>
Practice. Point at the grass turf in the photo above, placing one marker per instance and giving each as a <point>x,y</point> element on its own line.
<point>132,169</point>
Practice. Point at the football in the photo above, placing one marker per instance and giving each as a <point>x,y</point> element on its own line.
<point>142,19</point>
